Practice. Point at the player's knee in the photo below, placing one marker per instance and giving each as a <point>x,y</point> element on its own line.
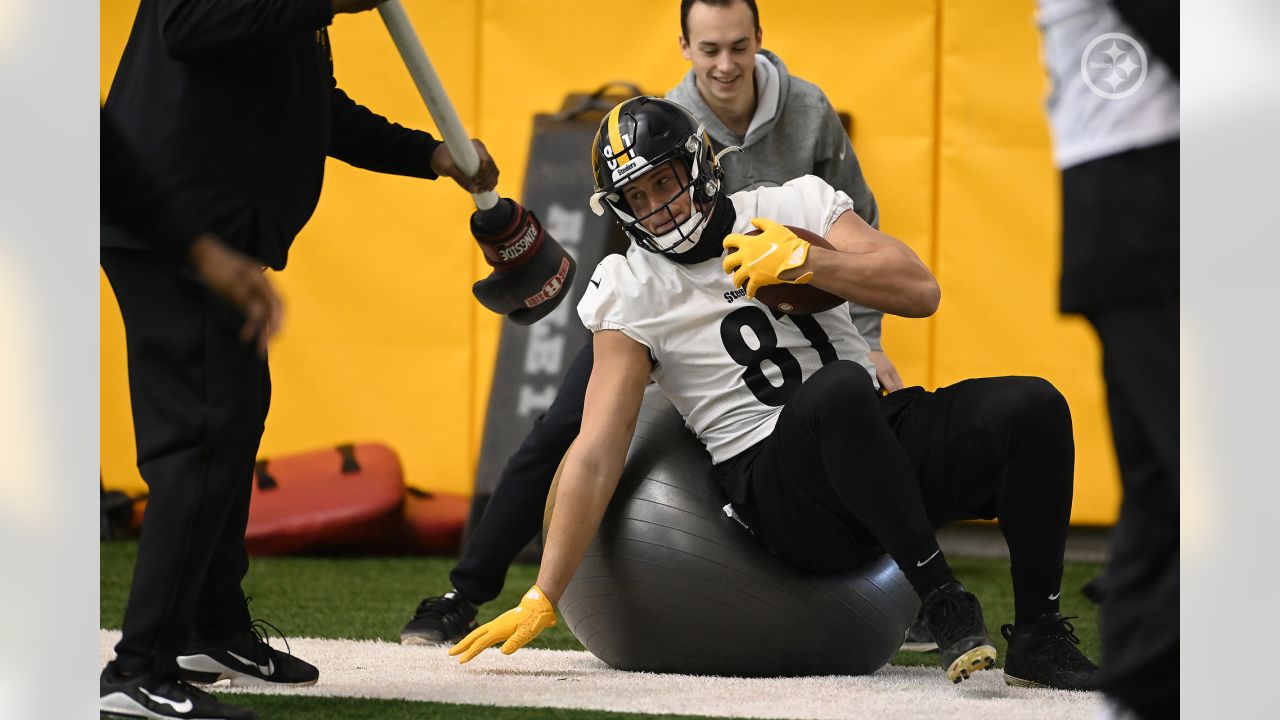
<point>845,380</point>
<point>1033,404</point>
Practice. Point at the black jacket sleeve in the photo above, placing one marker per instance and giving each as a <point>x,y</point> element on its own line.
<point>367,140</point>
<point>134,199</point>
<point>208,29</point>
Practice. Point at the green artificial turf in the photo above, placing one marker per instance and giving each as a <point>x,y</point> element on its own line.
<point>357,598</point>
<point>278,707</point>
<point>371,598</point>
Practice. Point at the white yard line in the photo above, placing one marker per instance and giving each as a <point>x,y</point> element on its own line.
<point>566,679</point>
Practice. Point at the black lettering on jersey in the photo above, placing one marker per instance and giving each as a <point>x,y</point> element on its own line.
<point>752,359</point>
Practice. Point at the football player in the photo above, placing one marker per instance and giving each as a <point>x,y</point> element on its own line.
<point>824,470</point>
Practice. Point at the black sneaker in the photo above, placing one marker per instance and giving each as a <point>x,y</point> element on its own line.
<point>147,696</point>
<point>955,622</point>
<point>438,620</point>
<point>1044,654</point>
<point>244,659</point>
<point>918,638</point>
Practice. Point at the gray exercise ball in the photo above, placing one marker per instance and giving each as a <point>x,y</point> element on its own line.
<point>670,584</point>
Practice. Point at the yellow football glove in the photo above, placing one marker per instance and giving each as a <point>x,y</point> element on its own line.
<point>758,260</point>
<point>513,628</point>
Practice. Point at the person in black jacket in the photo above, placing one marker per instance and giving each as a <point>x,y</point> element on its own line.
<point>235,107</point>
<point>133,198</point>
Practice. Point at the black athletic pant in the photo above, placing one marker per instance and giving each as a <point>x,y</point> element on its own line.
<point>1120,269</point>
<point>513,515</point>
<point>1139,615</point>
<point>199,397</point>
<point>847,472</point>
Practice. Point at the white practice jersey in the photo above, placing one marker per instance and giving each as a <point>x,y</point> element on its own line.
<point>726,362</point>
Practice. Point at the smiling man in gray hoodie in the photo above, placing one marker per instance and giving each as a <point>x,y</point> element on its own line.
<point>786,127</point>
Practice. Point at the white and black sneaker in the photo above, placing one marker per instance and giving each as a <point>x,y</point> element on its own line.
<point>244,659</point>
<point>148,696</point>
<point>443,619</point>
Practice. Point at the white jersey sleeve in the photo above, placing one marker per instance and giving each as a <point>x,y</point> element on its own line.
<point>612,300</point>
<point>807,201</point>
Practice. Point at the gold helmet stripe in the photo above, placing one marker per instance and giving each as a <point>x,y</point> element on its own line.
<point>595,154</point>
<point>615,136</point>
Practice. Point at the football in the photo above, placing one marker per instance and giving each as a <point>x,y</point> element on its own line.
<point>799,299</point>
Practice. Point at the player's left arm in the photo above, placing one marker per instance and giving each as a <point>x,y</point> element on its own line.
<point>587,479</point>
<point>871,268</point>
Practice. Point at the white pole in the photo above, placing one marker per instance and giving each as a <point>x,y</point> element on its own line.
<point>433,94</point>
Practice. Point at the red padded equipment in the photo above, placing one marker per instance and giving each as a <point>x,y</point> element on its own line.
<point>328,500</point>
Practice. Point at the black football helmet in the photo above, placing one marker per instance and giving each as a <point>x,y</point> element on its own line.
<point>637,136</point>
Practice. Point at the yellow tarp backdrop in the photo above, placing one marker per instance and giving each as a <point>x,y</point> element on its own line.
<point>384,342</point>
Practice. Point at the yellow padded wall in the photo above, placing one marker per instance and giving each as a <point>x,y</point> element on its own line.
<point>998,227</point>
<point>877,61</point>
<point>384,342</point>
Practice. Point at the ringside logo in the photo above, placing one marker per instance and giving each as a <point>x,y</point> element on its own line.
<point>551,287</point>
<point>518,248</point>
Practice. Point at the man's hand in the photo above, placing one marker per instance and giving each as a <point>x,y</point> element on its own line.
<point>354,6</point>
<point>886,373</point>
<point>513,628</point>
<point>760,260</point>
<point>485,179</point>
<point>238,279</point>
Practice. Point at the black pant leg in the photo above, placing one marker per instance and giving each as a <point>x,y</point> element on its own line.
<point>199,402</point>
<point>1000,448</point>
<point>513,516</point>
<point>222,611</point>
<point>830,486</point>
<point>1140,614</point>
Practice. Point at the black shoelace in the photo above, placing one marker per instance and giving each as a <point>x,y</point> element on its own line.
<point>440,606</point>
<point>260,629</point>
<point>1060,637</point>
<point>956,618</point>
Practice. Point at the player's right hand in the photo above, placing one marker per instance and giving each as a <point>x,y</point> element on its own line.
<point>513,628</point>
<point>238,279</point>
<point>354,6</point>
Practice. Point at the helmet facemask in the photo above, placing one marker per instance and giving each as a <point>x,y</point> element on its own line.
<point>700,182</point>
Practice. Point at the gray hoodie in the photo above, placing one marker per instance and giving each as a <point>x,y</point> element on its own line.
<point>794,132</point>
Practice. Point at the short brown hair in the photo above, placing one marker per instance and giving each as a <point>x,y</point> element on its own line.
<point>685,5</point>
